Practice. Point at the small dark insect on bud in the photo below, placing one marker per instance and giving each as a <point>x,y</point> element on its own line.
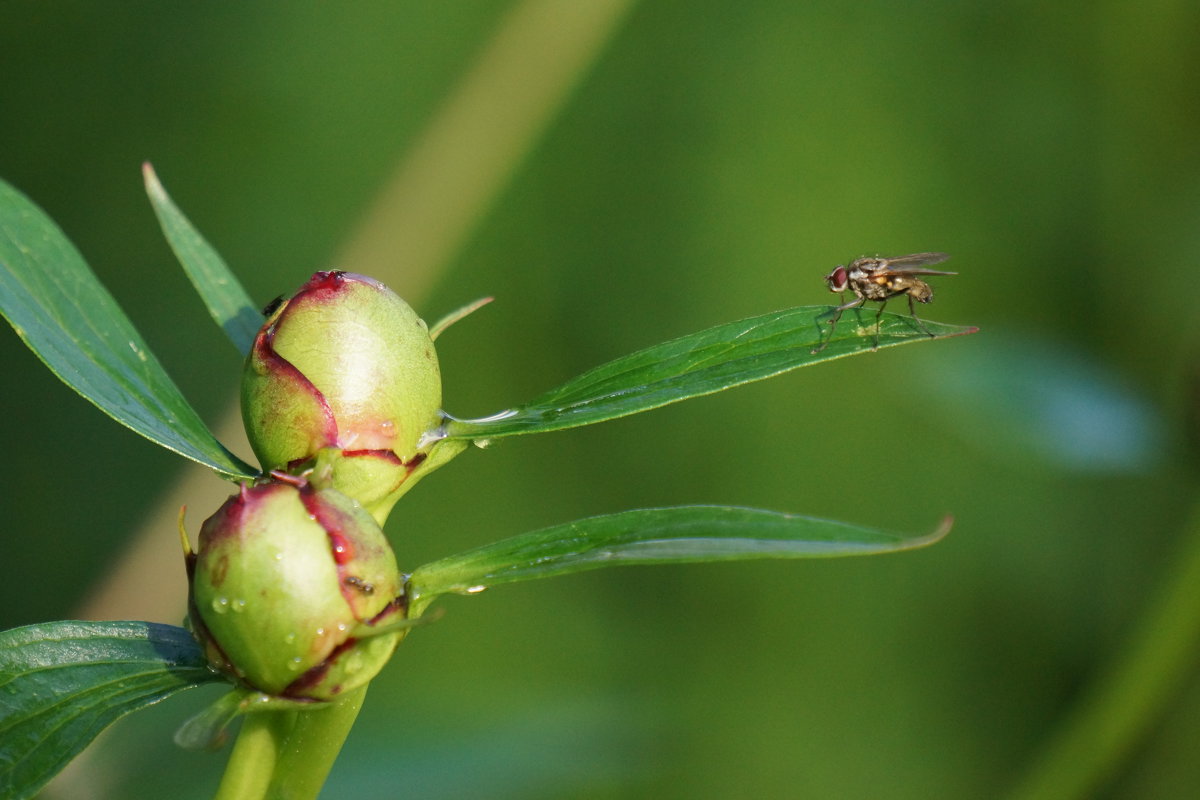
<point>271,307</point>
<point>360,584</point>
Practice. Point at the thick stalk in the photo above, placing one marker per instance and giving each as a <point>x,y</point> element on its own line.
<point>311,746</point>
<point>255,755</point>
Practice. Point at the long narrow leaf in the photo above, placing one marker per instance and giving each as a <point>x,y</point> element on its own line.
<point>72,323</point>
<point>227,302</point>
<point>62,683</point>
<point>655,536</point>
<point>702,363</point>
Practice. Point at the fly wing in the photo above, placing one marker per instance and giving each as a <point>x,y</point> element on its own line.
<point>913,265</point>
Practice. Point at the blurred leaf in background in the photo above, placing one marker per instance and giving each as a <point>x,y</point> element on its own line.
<point>717,160</point>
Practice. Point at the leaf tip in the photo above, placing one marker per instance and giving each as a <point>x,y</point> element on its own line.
<point>150,178</point>
<point>184,540</point>
<point>940,531</point>
<point>933,537</point>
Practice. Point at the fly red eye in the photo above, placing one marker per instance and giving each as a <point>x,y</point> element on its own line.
<point>837,280</point>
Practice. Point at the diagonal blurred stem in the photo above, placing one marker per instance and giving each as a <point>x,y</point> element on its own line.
<point>456,169</point>
<point>1115,714</point>
<point>442,187</point>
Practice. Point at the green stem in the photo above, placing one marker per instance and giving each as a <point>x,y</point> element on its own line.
<point>311,746</point>
<point>1120,707</point>
<point>255,753</point>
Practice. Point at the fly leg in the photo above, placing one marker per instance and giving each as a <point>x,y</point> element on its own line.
<point>912,310</point>
<point>878,323</point>
<point>837,314</point>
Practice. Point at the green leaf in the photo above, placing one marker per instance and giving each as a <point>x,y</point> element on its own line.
<point>62,683</point>
<point>228,304</point>
<point>702,363</point>
<point>654,536</point>
<point>208,730</point>
<point>72,323</point>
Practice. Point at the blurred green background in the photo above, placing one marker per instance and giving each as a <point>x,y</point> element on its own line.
<point>711,162</point>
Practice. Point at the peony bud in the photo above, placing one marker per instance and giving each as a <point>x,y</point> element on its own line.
<point>344,376</point>
<point>285,581</point>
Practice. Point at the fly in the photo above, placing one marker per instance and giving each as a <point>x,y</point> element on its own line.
<point>881,279</point>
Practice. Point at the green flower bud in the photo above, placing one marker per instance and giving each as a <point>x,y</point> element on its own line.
<point>345,374</point>
<point>285,582</point>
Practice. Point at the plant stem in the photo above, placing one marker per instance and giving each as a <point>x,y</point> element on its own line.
<point>255,753</point>
<point>1119,708</point>
<point>311,746</point>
